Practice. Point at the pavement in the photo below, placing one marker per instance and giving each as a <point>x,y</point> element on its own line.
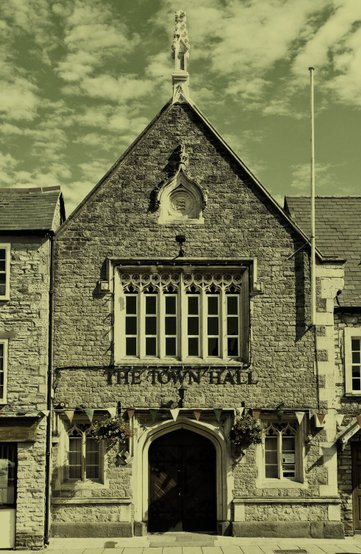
<point>192,543</point>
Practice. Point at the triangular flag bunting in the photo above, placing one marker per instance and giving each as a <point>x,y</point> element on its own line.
<point>175,413</point>
<point>256,412</point>
<point>90,413</point>
<point>112,411</point>
<point>358,419</point>
<point>299,417</point>
<point>130,412</point>
<point>197,414</point>
<point>339,419</point>
<point>45,412</point>
<point>239,411</point>
<point>70,415</point>
<point>153,414</point>
<point>218,413</point>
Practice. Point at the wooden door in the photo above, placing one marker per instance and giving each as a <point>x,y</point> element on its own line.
<point>182,480</point>
<point>356,484</point>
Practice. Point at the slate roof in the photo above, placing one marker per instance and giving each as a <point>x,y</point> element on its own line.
<point>338,234</point>
<point>31,209</point>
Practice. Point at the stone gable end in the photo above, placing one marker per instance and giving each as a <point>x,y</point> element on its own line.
<point>239,223</point>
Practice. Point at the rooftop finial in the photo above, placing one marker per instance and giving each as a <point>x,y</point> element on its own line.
<point>180,50</point>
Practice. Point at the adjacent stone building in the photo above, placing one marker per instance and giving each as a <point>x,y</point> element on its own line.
<point>182,312</point>
<point>338,234</point>
<point>28,220</point>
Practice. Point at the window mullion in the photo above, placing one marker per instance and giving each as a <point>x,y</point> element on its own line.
<point>203,324</point>
<point>279,455</point>
<point>141,326</point>
<point>183,320</point>
<point>161,323</point>
<point>119,320</point>
<point>83,457</point>
<point>223,324</point>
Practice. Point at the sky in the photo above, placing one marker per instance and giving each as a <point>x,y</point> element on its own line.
<point>80,79</point>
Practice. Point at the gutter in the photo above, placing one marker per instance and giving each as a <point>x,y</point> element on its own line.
<point>49,400</point>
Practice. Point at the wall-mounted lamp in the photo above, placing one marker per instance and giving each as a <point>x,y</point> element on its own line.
<point>181,240</point>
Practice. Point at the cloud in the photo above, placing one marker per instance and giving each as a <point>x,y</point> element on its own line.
<point>117,89</point>
<point>243,43</point>
<point>324,179</point>
<point>19,99</point>
<point>92,34</point>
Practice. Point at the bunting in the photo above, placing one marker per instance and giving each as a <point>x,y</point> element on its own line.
<point>218,413</point>
<point>299,417</point>
<point>197,414</point>
<point>174,412</point>
<point>239,411</point>
<point>70,415</point>
<point>130,412</point>
<point>112,411</point>
<point>339,419</point>
<point>358,419</point>
<point>90,413</point>
<point>153,414</point>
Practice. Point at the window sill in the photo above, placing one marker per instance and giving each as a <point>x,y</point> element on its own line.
<point>351,394</point>
<point>172,362</point>
<point>81,485</point>
<point>280,484</point>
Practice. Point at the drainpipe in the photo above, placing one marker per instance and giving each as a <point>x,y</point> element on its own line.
<point>49,394</point>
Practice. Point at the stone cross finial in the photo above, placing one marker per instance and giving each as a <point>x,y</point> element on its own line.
<point>180,51</point>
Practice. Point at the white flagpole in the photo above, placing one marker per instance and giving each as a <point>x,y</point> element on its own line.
<point>313,211</point>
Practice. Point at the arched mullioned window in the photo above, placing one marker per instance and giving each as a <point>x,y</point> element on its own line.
<point>281,448</point>
<point>84,455</point>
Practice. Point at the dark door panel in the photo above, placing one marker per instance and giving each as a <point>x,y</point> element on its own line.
<point>182,483</point>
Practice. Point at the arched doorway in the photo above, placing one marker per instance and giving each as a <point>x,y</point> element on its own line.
<point>182,483</point>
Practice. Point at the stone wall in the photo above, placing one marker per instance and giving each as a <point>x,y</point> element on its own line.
<point>24,321</point>
<point>349,406</point>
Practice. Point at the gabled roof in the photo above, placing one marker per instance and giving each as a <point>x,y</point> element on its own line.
<point>168,106</point>
<point>31,209</point>
<point>338,234</point>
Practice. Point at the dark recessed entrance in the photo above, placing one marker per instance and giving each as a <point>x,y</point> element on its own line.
<point>182,495</point>
<point>356,484</point>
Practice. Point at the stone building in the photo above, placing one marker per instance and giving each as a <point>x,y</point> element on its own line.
<point>338,234</point>
<point>28,220</point>
<point>182,309</point>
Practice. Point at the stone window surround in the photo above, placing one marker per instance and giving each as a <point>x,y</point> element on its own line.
<point>349,333</point>
<point>61,480</point>
<point>6,248</point>
<point>179,271</point>
<point>4,369</point>
<point>287,483</point>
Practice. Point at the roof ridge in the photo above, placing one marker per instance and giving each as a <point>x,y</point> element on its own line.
<point>324,197</point>
<point>31,189</point>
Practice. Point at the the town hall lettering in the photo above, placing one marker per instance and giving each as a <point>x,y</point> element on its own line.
<point>175,376</point>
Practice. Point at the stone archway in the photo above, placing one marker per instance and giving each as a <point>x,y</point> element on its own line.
<point>223,470</point>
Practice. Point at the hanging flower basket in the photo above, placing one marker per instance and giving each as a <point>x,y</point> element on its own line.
<point>112,429</point>
<point>245,431</point>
